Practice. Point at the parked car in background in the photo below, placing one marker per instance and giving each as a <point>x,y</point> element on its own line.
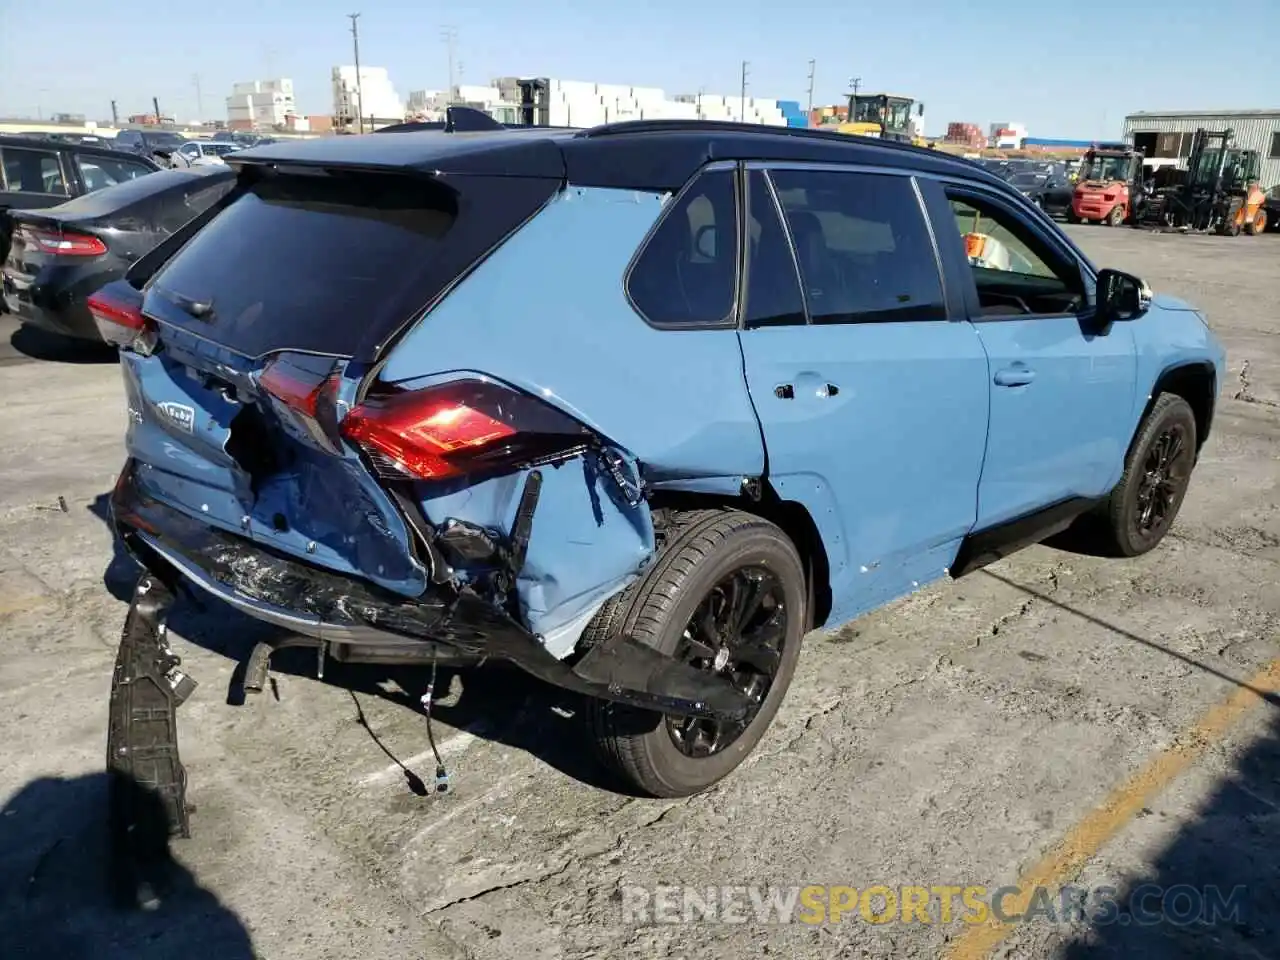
<point>59,255</point>
<point>1051,192</point>
<point>154,144</point>
<point>38,172</point>
<point>843,368</point>
<point>202,152</point>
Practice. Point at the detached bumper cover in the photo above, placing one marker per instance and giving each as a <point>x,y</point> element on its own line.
<point>318,603</point>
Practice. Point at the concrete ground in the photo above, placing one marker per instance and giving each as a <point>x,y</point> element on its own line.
<point>1055,719</point>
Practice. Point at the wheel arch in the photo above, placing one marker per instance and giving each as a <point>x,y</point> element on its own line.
<point>788,515</point>
<point>1196,382</point>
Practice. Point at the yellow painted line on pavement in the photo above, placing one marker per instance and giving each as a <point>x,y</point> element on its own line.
<point>1087,837</point>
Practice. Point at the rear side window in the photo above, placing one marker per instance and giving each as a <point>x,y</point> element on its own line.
<point>773,286</point>
<point>33,171</point>
<point>687,273</point>
<point>100,172</point>
<point>335,263</point>
<point>863,246</point>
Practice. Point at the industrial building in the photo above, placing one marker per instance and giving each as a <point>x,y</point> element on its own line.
<point>371,96</point>
<point>1169,133</point>
<point>259,104</point>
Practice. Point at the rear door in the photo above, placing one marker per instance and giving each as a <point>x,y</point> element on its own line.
<point>871,395</point>
<point>1061,398</point>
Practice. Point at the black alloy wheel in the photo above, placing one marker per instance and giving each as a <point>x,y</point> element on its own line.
<point>738,631</point>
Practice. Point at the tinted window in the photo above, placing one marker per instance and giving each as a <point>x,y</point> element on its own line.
<point>33,171</point>
<point>1015,271</point>
<point>336,264</point>
<point>863,246</point>
<point>164,141</point>
<point>129,137</point>
<point>687,272</point>
<point>99,172</point>
<point>773,287</point>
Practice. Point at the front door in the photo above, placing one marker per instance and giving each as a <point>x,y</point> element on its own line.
<point>1061,396</point>
<point>873,402</point>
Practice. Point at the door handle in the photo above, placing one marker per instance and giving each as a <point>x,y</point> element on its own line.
<point>784,391</point>
<point>828,390</point>
<point>1017,375</point>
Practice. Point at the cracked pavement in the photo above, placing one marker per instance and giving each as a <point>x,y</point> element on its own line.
<point>950,738</point>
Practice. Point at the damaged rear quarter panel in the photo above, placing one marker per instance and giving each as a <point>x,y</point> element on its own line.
<point>586,543</point>
<point>547,314</point>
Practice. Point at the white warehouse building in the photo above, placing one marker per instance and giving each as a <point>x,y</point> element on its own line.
<point>260,103</point>
<point>380,99</point>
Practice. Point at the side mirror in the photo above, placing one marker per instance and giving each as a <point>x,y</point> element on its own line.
<point>1120,296</point>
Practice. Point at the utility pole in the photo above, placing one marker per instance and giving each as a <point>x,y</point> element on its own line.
<point>855,83</point>
<point>742,106</point>
<point>115,114</point>
<point>195,79</point>
<point>155,102</point>
<point>812,68</point>
<point>450,37</point>
<point>355,43</point>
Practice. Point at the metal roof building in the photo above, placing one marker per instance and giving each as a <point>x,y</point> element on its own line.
<point>1168,133</point>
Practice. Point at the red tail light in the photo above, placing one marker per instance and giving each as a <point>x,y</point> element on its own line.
<point>462,427</point>
<point>306,387</point>
<point>117,311</point>
<point>64,243</point>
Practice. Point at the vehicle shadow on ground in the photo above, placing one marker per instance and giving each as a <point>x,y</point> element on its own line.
<point>495,702</point>
<point>1212,891</point>
<point>1213,888</point>
<point>41,345</point>
<point>68,890</point>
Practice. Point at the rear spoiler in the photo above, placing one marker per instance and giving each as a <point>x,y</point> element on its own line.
<point>460,120</point>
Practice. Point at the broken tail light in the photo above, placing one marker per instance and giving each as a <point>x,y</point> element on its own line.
<point>117,312</point>
<point>459,428</point>
<point>304,390</point>
<point>64,243</point>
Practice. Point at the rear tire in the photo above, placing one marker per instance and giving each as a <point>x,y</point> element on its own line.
<point>1257,224</point>
<point>698,570</point>
<point>1116,216</point>
<point>1143,505</point>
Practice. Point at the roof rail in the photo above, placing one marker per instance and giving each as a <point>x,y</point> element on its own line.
<point>710,126</point>
<point>625,127</point>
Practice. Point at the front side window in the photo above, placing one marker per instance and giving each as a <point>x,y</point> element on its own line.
<point>687,273</point>
<point>33,171</point>
<point>863,247</point>
<point>1014,271</point>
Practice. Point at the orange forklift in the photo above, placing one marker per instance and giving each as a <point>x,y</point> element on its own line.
<point>1219,192</point>
<point>1109,186</point>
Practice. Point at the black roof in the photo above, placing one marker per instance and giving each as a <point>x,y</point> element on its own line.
<point>88,149</point>
<point>638,154</point>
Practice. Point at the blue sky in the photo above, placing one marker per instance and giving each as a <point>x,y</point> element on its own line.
<point>1056,67</point>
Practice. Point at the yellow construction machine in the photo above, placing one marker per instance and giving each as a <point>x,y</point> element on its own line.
<point>887,116</point>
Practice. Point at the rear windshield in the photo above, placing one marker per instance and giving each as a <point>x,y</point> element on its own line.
<point>334,263</point>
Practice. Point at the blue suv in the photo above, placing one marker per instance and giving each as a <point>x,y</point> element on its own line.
<point>634,408</point>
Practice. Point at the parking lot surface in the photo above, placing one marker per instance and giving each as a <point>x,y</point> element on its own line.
<point>1055,719</point>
